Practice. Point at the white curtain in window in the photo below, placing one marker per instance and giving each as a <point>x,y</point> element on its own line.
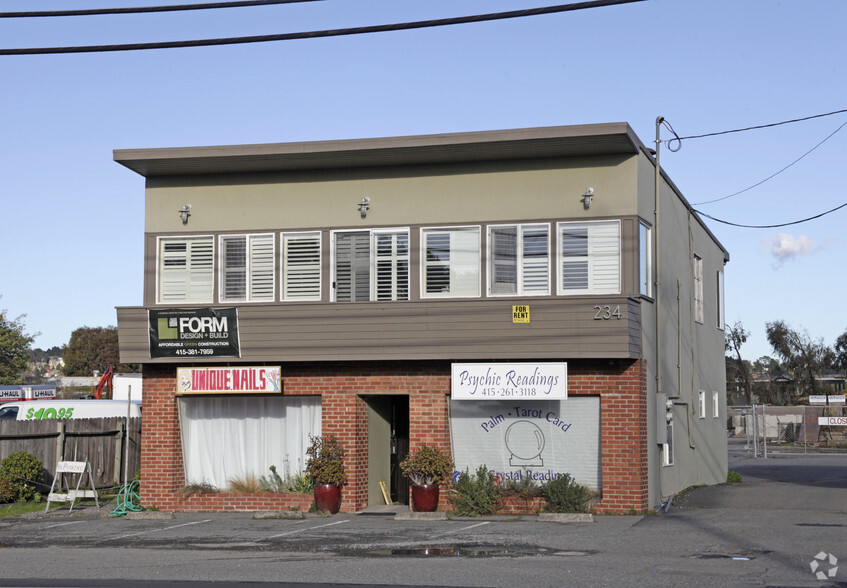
<point>227,437</point>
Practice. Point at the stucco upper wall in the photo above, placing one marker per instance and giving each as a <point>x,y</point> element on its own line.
<point>466,192</point>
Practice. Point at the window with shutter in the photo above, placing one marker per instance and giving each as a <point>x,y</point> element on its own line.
<point>590,258</point>
<point>519,259</point>
<point>185,270</point>
<point>451,262</point>
<point>301,266</point>
<point>247,268</point>
<point>371,265</point>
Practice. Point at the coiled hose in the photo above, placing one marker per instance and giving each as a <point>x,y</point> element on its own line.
<point>128,500</point>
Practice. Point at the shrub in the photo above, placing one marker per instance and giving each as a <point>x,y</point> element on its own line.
<point>291,484</point>
<point>248,483</point>
<point>199,488</point>
<point>476,495</point>
<point>733,477</point>
<point>524,488</point>
<point>7,491</point>
<point>564,494</point>
<point>427,465</point>
<point>326,461</point>
<point>24,472</point>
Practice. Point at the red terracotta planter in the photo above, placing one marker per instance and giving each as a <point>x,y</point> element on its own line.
<point>425,498</point>
<point>328,498</point>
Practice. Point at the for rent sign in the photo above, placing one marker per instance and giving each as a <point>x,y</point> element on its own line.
<point>194,333</point>
<point>508,381</point>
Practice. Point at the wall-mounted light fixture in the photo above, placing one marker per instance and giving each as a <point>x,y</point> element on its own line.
<point>364,206</point>
<point>184,213</point>
<point>586,198</point>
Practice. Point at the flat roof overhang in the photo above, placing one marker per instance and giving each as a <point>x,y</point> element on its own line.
<point>531,143</point>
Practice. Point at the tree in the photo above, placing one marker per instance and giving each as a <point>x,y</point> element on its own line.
<point>801,355</point>
<point>840,361</point>
<point>93,348</point>
<point>736,336</point>
<point>14,348</point>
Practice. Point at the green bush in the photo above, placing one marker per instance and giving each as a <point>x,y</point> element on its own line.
<point>24,472</point>
<point>7,491</point>
<point>427,465</point>
<point>733,477</point>
<point>563,494</point>
<point>291,484</point>
<point>476,495</point>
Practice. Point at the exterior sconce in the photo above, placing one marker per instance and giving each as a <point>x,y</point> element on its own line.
<point>586,198</point>
<point>184,213</point>
<point>364,206</point>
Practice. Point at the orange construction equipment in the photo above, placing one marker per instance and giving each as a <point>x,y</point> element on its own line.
<point>105,383</point>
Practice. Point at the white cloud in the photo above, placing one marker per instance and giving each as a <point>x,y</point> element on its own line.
<point>783,246</point>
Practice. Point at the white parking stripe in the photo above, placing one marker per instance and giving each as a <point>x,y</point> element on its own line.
<point>63,524</point>
<point>307,529</point>
<point>155,530</point>
<point>465,528</point>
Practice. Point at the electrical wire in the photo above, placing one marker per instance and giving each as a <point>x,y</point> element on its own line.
<point>142,9</point>
<point>774,174</point>
<point>771,226</point>
<point>323,33</point>
<point>776,124</point>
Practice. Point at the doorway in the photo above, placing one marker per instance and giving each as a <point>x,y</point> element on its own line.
<point>388,445</point>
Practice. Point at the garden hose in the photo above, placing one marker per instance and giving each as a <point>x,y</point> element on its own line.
<point>128,500</point>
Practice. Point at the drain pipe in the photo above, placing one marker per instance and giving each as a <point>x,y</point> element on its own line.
<point>658,282</point>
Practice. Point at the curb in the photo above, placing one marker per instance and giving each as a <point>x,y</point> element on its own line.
<point>149,515</point>
<point>279,514</point>
<point>554,517</point>
<point>420,516</point>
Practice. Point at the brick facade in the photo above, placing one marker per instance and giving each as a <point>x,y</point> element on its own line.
<point>623,409</point>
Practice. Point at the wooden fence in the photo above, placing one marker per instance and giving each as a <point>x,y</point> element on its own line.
<point>101,441</point>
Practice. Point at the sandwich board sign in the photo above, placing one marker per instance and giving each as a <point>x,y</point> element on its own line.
<point>80,468</point>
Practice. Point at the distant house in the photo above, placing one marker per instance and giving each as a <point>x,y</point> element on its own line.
<point>526,299</point>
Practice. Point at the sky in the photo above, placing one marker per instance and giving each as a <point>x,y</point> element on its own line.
<point>73,218</point>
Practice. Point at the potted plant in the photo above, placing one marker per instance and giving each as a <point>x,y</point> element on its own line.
<point>326,468</point>
<point>426,467</point>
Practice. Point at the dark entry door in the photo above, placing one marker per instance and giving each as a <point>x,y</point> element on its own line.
<point>388,445</point>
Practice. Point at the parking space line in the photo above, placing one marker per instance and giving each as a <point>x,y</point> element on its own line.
<point>466,528</point>
<point>306,529</point>
<point>155,530</point>
<point>64,524</point>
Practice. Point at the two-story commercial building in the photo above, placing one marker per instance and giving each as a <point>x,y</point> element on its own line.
<point>541,301</point>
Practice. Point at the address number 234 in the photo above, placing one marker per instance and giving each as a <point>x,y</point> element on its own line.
<point>606,312</point>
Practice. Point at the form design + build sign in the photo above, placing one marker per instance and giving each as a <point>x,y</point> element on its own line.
<point>194,333</point>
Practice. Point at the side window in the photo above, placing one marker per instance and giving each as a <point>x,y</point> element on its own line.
<point>697,270</point>
<point>519,259</point>
<point>247,268</point>
<point>721,318</point>
<point>450,262</point>
<point>645,259</point>
<point>185,268</point>
<point>589,257</point>
<point>702,404</point>
<point>9,412</point>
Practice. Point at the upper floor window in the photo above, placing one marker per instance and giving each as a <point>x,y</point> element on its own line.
<point>301,266</point>
<point>721,318</point>
<point>590,257</point>
<point>371,265</point>
<point>519,259</point>
<point>186,270</point>
<point>247,268</point>
<point>450,262</point>
<point>645,252</point>
<point>697,270</point>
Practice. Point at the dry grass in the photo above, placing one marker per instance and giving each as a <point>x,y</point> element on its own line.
<point>248,483</point>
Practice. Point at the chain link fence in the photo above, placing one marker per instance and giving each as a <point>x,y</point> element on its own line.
<point>789,429</point>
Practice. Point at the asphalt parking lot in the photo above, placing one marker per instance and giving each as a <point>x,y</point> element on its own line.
<point>768,531</point>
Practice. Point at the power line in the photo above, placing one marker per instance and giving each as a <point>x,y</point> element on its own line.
<point>323,33</point>
<point>771,226</point>
<point>777,173</point>
<point>141,9</point>
<point>776,124</point>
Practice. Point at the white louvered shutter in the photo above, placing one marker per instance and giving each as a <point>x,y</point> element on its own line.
<point>186,270</point>
<point>301,275</point>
